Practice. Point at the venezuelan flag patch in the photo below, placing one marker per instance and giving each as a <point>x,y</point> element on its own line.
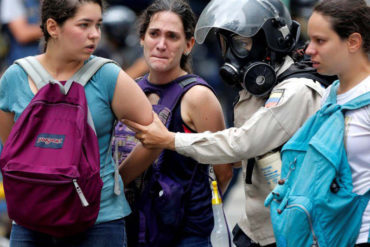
<point>274,98</point>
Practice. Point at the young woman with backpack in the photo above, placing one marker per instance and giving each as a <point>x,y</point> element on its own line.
<point>340,45</point>
<point>166,34</point>
<point>72,31</point>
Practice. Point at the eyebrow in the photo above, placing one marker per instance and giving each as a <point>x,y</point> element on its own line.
<point>89,20</point>
<point>317,36</point>
<point>165,31</point>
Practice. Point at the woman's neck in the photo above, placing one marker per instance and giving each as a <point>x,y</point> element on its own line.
<point>354,74</point>
<point>58,66</point>
<point>161,78</point>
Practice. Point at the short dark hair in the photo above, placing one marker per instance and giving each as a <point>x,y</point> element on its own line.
<point>179,7</point>
<point>347,17</point>
<point>60,11</point>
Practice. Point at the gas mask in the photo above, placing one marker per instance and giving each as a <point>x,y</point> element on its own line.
<point>245,63</point>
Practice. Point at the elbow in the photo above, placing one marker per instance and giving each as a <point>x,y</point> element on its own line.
<point>148,117</point>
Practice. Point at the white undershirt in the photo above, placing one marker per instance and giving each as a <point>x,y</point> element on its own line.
<point>357,143</point>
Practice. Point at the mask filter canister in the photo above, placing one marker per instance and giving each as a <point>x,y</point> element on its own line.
<point>259,78</point>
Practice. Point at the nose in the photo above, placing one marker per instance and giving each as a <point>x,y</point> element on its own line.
<point>94,33</point>
<point>161,45</point>
<point>310,50</point>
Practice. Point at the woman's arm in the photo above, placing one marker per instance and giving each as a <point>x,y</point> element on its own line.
<point>137,162</point>
<point>201,111</point>
<point>130,102</point>
<point>6,124</point>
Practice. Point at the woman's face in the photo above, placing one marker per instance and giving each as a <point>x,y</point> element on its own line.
<point>79,35</point>
<point>164,42</point>
<point>329,53</point>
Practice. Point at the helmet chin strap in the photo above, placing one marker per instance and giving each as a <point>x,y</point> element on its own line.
<point>274,59</point>
<point>272,56</point>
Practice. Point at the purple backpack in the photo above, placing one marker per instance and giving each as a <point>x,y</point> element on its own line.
<point>157,200</point>
<point>50,162</point>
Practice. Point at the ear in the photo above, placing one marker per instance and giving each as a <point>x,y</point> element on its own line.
<point>354,42</point>
<point>142,41</point>
<point>52,27</point>
<point>189,46</point>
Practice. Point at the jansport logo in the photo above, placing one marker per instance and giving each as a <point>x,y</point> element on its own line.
<point>49,141</point>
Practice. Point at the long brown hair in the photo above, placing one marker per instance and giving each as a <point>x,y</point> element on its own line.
<point>183,10</point>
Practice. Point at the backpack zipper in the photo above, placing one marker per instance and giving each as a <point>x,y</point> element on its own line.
<point>34,180</point>
<point>80,193</point>
<point>37,102</point>
<point>315,243</point>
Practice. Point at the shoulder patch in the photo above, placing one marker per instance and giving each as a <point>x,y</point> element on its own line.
<point>274,98</point>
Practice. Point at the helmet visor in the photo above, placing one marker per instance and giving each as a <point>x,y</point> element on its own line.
<point>242,17</point>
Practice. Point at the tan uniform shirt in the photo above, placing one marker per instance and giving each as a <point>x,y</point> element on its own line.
<point>260,127</point>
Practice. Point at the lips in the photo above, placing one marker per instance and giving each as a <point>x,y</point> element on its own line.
<point>90,47</point>
<point>315,64</point>
<point>160,57</point>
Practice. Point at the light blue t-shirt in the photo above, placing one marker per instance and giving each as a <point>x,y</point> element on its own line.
<point>15,95</point>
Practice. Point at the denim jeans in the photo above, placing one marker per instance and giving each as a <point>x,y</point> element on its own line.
<point>108,234</point>
<point>194,241</point>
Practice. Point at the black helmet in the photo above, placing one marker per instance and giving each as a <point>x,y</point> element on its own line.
<point>247,17</point>
<point>119,25</point>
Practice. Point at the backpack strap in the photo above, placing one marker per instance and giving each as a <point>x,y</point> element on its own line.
<point>304,70</point>
<point>177,90</point>
<point>358,102</point>
<point>182,87</point>
<point>41,76</point>
<point>35,70</point>
<point>83,75</point>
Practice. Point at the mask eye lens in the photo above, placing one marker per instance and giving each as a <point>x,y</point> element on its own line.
<point>241,45</point>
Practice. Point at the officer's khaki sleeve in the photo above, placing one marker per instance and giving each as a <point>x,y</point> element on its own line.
<point>267,129</point>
